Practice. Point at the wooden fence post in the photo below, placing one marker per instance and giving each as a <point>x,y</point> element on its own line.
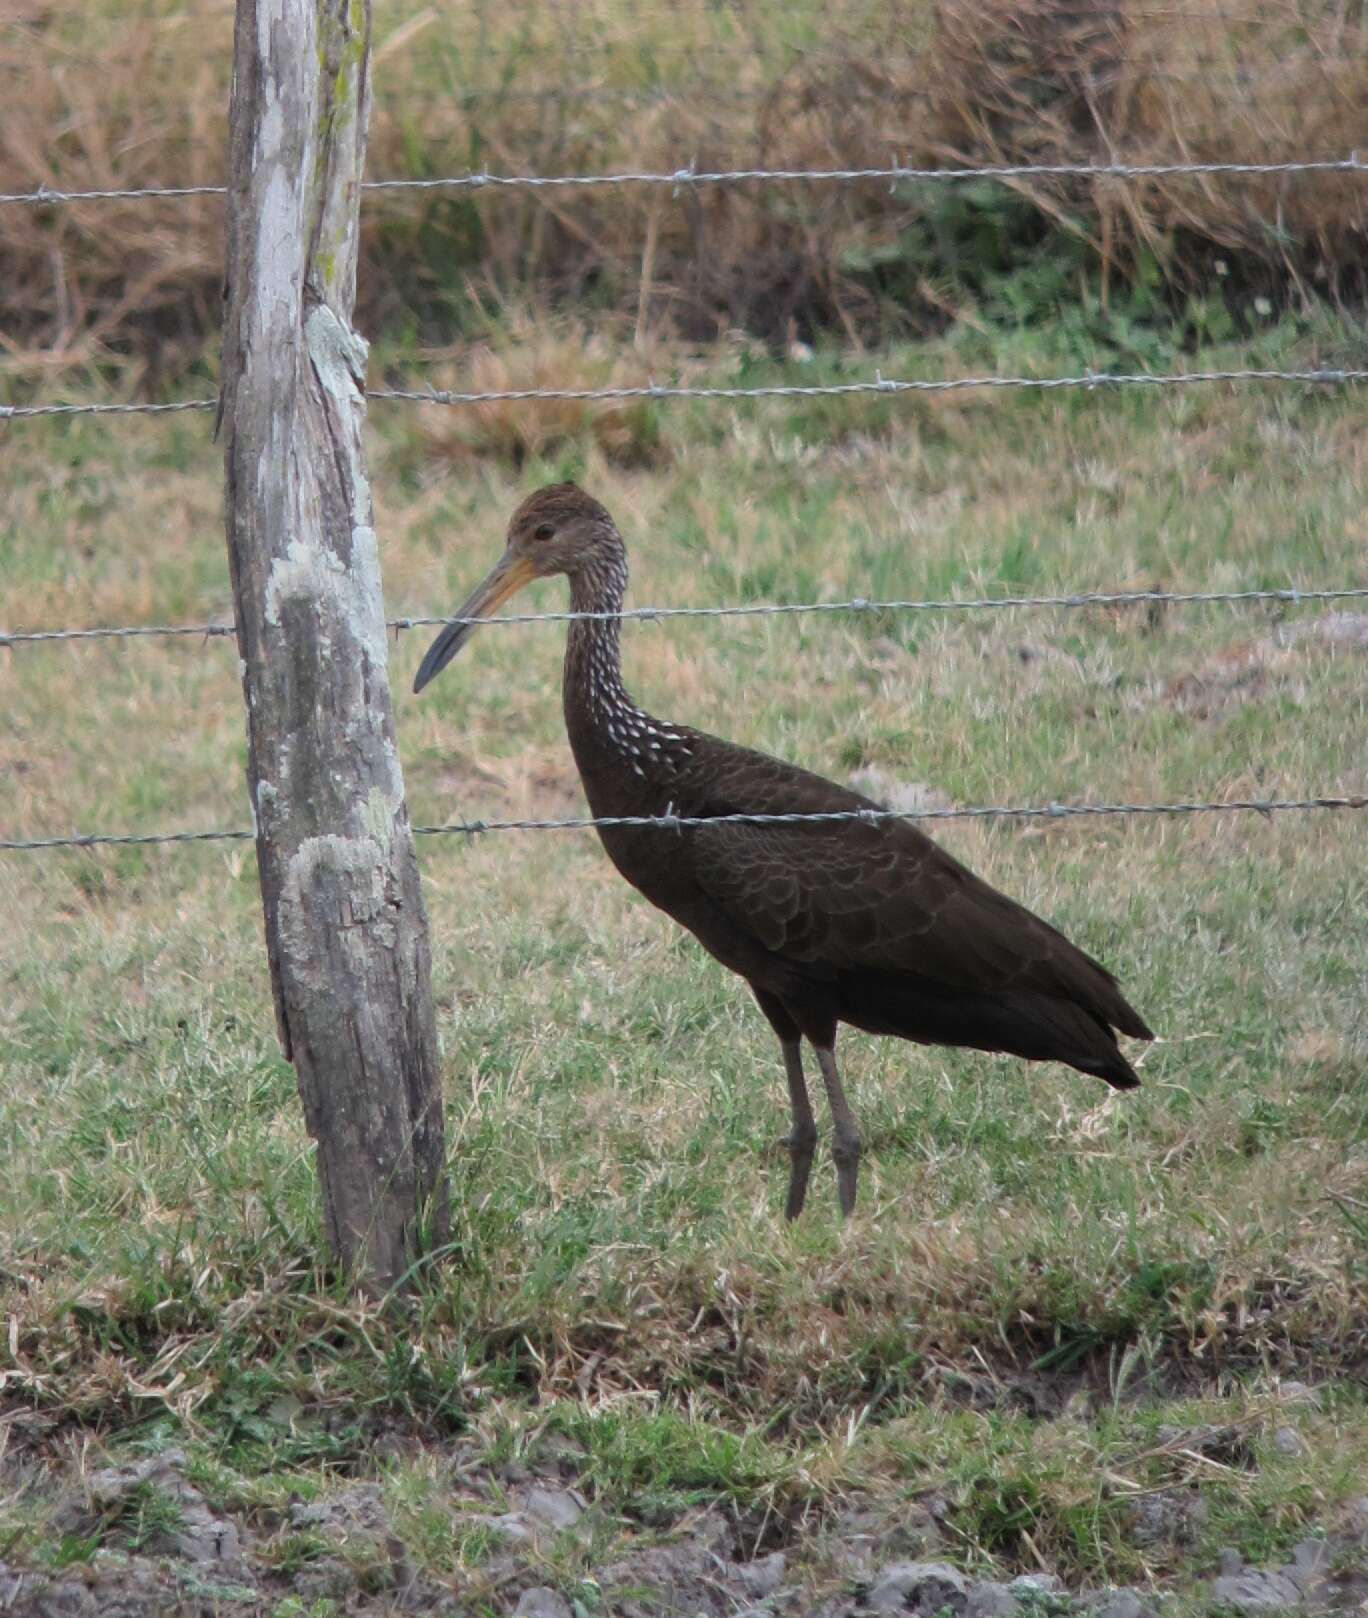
<point>345,928</point>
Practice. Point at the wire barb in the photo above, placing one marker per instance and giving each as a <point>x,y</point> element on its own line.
<point>670,821</point>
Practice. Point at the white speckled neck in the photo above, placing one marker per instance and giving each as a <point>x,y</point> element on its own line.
<point>593,671</point>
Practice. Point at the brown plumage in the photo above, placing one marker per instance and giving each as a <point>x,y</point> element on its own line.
<point>867,923</point>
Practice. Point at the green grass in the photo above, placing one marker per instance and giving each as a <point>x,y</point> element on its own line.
<point>614,1104</point>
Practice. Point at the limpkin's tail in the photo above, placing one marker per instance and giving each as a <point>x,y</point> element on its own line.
<point>1017,1022</point>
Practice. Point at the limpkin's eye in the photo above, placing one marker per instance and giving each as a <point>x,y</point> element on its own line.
<point>543,530</point>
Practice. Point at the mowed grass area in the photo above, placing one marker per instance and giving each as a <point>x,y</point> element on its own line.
<point>615,1103</point>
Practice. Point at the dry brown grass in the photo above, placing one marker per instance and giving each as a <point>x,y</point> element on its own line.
<point>535,353</point>
<point>113,100</point>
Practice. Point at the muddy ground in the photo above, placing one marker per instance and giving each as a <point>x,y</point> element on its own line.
<point>138,1539</point>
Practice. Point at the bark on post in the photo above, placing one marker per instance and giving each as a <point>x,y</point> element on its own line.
<point>345,928</point>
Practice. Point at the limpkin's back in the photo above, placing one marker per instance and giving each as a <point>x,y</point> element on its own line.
<point>914,943</point>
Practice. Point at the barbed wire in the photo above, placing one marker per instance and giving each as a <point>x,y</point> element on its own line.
<point>1001,171</point>
<point>136,408</point>
<point>683,177</point>
<point>678,823</point>
<point>1288,596</point>
<point>29,637</point>
<point>880,384</point>
<point>1048,811</point>
<point>794,390</point>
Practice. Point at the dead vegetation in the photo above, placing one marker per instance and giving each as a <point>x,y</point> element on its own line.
<point>116,100</point>
<point>535,354</point>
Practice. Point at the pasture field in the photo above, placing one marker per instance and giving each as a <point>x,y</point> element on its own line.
<point>1051,1297</point>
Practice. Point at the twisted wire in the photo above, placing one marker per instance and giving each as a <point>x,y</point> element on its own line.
<point>1120,598</point>
<point>20,412</point>
<point>28,637</point>
<point>681,177</point>
<point>678,823</point>
<point>879,384</point>
<point>653,390</point>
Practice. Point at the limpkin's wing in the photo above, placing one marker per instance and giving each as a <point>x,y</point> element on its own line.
<point>851,896</point>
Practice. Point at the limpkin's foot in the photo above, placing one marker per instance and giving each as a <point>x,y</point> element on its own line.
<point>845,1135</point>
<point>801,1144</point>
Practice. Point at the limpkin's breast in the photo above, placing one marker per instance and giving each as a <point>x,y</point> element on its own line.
<point>630,763</point>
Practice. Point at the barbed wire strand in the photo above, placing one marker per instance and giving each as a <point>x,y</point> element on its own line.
<point>880,384</point>
<point>20,412</point>
<point>682,177</point>
<point>678,823</point>
<point>1121,598</point>
<point>652,390</point>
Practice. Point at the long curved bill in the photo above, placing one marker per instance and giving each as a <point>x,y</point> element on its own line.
<point>509,575</point>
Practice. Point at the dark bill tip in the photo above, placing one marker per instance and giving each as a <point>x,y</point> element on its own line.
<point>440,653</point>
<point>508,576</point>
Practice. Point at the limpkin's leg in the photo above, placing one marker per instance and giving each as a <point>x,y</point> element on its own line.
<point>845,1134</point>
<point>803,1139</point>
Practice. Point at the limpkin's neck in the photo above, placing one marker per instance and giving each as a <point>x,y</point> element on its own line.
<point>593,654</point>
<point>605,726</point>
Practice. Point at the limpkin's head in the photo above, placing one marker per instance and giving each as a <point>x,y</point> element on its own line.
<point>559,529</point>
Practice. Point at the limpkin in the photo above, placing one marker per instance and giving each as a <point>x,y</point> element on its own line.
<point>863,922</point>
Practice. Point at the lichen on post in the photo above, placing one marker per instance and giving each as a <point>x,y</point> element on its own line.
<point>346,932</point>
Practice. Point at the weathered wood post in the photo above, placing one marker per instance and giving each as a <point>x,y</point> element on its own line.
<point>345,928</point>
